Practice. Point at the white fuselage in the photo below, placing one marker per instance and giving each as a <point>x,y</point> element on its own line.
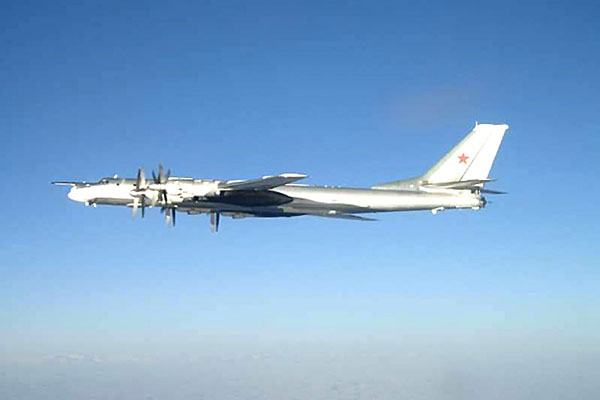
<point>374,200</point>
<point>185,194</point>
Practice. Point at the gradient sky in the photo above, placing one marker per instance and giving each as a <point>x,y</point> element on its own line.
<point>500,303</point>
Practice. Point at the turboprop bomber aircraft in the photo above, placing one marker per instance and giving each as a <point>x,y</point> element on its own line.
<point>456,181</point>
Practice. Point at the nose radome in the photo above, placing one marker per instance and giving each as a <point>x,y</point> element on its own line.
<point>75,194</point>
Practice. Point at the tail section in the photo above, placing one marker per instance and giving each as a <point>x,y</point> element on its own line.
<point>466,165</point>
<point>471,159</point>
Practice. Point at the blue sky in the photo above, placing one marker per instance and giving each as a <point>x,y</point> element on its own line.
<point>350,93</point>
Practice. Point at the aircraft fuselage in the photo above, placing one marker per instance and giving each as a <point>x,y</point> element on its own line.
<point>203,196</point>
<point>457,180</point>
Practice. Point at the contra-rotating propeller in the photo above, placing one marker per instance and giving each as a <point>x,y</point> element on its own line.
<point>155,191</point>
<point>169,215</point>
<point>161,179</point>
<point>139,193</point>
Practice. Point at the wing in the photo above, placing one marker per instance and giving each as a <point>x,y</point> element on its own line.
<point>264,183</point>
<point>339,215</point>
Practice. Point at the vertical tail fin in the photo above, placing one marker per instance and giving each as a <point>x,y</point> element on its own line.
<point>471,158</point>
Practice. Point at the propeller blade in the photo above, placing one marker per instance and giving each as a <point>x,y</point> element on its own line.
<point>162,178</point>
<point>142,178</point>
<point>143,206</point>
<point>215,217</point>
<point>134,208</point>
<point>139,179</point>
<point>173,216</point>
<point>168,216</point>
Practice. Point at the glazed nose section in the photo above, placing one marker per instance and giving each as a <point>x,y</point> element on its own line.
<point>76,194</point>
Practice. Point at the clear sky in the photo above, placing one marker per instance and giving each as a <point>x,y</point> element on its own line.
<point>500,303</point>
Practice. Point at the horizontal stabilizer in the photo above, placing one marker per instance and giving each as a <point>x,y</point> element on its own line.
<point>491,191</point>
<point>470,184</point>
<point>264,183</point>
<point>473,184</point>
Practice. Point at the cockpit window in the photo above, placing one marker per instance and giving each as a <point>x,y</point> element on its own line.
<point>104,181</point>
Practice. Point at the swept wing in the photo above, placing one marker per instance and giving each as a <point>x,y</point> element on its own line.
<point>264,183</point>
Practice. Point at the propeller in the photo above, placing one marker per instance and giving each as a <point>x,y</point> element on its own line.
<point>135,207</point>
<point>161,179</point>
<point>215,218</point>
<point>136,203</point>
<point>155,191</point>
<point>169,215</point>
<point>139,193</point>
<point>163,196</point>
<point>141,180</point>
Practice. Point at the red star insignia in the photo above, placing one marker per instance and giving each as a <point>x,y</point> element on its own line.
<point>462,158</point>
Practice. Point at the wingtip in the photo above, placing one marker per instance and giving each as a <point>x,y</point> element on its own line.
<point>490,191</point>
<point>294,175</point>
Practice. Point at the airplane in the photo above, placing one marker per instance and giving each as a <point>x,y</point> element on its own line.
<point>456,181</point>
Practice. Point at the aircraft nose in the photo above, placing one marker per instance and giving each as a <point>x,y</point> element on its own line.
<point>75,194</point>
